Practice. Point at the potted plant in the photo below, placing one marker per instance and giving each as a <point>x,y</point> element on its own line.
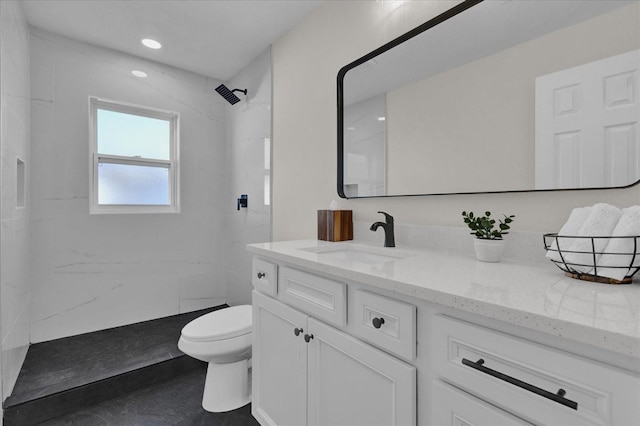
<point>488,244</point>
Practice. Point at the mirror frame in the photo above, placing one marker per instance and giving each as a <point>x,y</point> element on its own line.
<point>448,14</point>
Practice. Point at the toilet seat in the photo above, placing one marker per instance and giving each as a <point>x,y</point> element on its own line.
<point>220,325</point>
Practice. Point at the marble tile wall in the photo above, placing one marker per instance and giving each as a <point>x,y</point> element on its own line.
<point>248,125</point>
<point>91,272</point>
<point>15,285</point>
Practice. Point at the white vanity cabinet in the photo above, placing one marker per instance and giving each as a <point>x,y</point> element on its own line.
<point>403,343</point>
<point>265,276</point>
<point>306,372</point>
<point>453,407</point>
<point>279,376</point>
<point>532,381</point>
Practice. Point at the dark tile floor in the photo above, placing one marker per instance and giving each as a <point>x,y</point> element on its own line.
<point>175,402</point>
<point>62,364</point>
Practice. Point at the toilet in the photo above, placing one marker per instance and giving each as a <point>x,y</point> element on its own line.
<point>223,339</point>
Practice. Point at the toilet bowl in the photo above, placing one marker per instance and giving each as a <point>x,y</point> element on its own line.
<point>223,339</point>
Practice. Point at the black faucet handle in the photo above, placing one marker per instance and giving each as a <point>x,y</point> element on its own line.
<point>388,217</point>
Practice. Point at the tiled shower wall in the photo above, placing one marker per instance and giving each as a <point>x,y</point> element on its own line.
<point>14,235</point>
<point>66,272</point>
<point>248,154</point>
<point>92,272</point>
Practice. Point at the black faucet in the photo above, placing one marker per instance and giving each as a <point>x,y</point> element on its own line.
<point>389,239</point>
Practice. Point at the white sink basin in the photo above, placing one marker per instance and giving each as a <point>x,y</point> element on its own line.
<point>359,254</point>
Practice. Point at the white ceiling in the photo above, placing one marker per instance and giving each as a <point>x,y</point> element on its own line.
<point>216,38</point>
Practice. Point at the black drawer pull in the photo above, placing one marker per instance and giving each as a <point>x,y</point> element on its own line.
<point>557,397</point>
<point>260,275</point>
<point>377,322</point>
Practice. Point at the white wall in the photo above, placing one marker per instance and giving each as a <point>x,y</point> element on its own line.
<point>92,272</point>
<point>14,234</point>
<point>305,64</point>
<point>248,125</point>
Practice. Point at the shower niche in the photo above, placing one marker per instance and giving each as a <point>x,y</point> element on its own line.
<point>21,184</point>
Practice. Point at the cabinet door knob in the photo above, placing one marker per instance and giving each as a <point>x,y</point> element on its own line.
<point>377,322</point>
<point>297,331</point>
<point>308,337</point>
<point>261,274</point>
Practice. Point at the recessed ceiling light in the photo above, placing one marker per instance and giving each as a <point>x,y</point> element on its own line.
<point>381,118</point>
<point>139,73</point>
<point>391,2</point>
<point>150,43</point>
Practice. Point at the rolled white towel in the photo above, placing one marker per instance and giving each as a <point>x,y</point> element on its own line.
<point>601,222</point>
<point>628,226</point>
<point>571,227</point>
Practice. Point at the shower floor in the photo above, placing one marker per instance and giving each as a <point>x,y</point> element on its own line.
<point>66,374</point>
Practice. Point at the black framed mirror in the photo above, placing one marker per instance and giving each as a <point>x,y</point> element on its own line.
<point>496,96</point>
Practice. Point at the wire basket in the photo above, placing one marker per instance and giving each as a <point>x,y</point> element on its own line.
<point>575,269</point>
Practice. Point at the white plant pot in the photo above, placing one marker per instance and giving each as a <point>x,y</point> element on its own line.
<point>489,250</point>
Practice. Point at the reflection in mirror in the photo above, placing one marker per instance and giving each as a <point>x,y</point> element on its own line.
<point>364,148</point>
<point>502,96</point>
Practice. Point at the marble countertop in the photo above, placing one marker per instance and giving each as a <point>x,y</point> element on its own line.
<point>533,295</point>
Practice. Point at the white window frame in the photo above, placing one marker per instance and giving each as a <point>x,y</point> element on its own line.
<point>96,158</point>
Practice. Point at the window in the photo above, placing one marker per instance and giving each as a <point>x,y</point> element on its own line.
<point>267,171</point>
<point>134,158</point>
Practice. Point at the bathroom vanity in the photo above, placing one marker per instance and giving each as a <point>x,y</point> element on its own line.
<point>352,334</point>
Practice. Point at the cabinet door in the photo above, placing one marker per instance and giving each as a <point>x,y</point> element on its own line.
<point>279,364</point>
<point>453,407</point>
<point>352,383</point>
<point>587,125</point>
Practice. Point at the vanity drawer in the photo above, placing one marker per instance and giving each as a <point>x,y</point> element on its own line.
<point>265,276</point>
<point>387,323</point>
<point>525,378</point>
<point>453,407</point>
<point>323,298</point>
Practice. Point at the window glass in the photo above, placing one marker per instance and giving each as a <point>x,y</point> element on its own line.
<point>133,135</point>
<point>133,184</point>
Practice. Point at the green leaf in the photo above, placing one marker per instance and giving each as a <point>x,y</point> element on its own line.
<point>483,226</point>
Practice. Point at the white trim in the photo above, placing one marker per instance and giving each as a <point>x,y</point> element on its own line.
<point>134,109</point>
<point>134,209</point>
<point>173,164</point>
<point>134,161</point>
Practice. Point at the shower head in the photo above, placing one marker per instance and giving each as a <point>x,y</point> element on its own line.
<point>229,95</point>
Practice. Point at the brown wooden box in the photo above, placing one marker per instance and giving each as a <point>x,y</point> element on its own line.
<point>335,225</point>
